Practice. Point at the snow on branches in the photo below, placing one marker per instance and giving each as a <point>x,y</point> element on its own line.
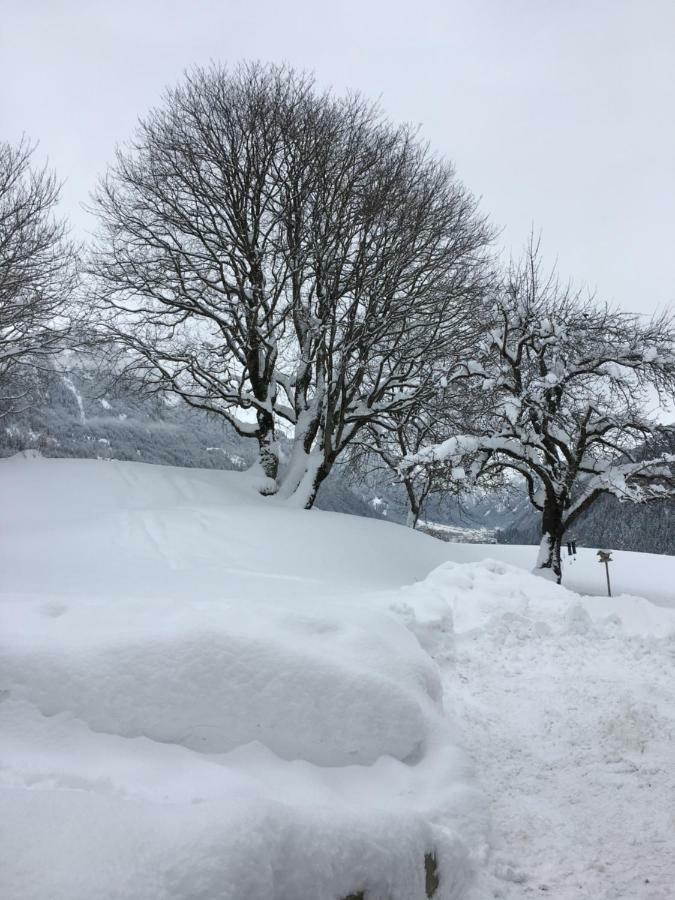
<point>571,384</point>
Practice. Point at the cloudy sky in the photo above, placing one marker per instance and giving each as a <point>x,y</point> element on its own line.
<point>560,114</point>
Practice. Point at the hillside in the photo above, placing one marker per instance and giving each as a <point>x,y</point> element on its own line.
<point>208,695</point>
<point>80,414</point>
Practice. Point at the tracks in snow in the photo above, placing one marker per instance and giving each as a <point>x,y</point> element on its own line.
<point>573,738</point>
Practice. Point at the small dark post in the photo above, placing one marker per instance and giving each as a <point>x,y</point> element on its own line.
<point>605,557</point>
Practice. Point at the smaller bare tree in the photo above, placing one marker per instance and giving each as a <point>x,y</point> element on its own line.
<point>384,445</point>
<point>37,270</point>
<point>572,383</point>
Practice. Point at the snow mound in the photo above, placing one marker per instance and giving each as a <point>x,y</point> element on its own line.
<point>335,688</point>
<point>207,696</point>
<point>647,575</point>
<point>493,594</point>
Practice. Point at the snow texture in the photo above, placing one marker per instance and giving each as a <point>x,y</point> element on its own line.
<point>207,695</point>
<point>200,702</point>
<point>568,708</point>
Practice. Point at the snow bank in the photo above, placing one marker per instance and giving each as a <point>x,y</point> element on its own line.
<point>334,688</point>
<point>100,816</point>
<point>203,696</point>
<point>491,593</point>
<point>648,575</point>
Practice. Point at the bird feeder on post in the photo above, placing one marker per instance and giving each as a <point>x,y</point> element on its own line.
<point>605,556</point>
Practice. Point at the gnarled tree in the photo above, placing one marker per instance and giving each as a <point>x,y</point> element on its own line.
<point>572,384</point>
<point>284,258</point>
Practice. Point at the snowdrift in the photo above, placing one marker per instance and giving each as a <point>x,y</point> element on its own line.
<point>206,695</point>
<point>647,575</point>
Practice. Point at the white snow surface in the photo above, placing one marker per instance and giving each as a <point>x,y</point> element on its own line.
<point>567,704</point>
<point>206,695</point>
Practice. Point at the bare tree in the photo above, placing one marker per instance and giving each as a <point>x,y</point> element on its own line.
<point>286,259</point>
<point>396,264</point>
<point>37,269</point>
<point>572,384</point>
<point>384,446</point>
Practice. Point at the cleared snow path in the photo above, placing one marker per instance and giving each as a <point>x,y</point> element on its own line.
<point>569,715</point>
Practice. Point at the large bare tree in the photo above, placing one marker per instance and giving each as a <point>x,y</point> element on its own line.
<point>572,384</point>
<point>285,258</point>
<point>37,270</point>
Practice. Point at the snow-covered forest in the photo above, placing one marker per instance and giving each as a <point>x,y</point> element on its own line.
<point>304,480</point>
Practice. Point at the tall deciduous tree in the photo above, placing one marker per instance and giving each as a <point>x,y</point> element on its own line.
<point>37,270</point>
<point>572,384</point>
<point>285,258</point>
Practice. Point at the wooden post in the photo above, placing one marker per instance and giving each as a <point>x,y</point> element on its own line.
<point>605,557</point>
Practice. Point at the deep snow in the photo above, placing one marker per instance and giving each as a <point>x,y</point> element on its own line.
<point>200,702</point>
<point>648,575</point>
<point>207,695</point>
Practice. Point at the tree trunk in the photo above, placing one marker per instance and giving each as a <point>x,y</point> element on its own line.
<point>268,453</point>
<point>413,505</point>
<point>319,477</point>
<point>303,477</point>
<point>301,484</point>
<point>549,562</point>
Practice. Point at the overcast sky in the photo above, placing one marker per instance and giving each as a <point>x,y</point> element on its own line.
<point>560,114</point>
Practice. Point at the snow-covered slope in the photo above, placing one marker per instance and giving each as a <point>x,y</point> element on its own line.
<point>201,702</point>
<point>159,530</point>
<point>208,696</point>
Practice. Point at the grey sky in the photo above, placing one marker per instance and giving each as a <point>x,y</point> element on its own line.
<point>559,113</point>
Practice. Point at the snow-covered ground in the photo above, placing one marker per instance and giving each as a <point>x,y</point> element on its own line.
<point>647,575</point>
<point>567,706</point>
<point>206,695</point>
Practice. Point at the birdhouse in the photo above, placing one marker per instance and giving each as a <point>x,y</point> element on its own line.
<point>605,556</point>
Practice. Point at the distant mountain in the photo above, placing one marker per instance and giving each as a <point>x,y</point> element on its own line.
<point>77,414</point>
<point>608,525</point>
